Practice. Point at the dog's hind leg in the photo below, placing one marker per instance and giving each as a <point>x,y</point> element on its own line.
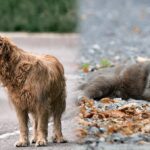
<point>35,123</point>
<point>57,131</point>
<point>57,114</point>
<point>23,125</point>
<point>42,128</point>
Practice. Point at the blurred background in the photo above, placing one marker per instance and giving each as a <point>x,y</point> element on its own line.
<point>114,31</point>
<point>38,15</point>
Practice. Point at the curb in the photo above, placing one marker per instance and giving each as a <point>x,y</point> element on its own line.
<point>41,35</point>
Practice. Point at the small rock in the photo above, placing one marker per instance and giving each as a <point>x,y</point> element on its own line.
<point>134,138</point>
<point>93,130</point>
<point>102,139</point>
<point>89,140</point>
<point>146,137</point>
<point>102,130</point>
<point>117,138</point>
<point>91,51</point>
<point>112,106</point>
<point>96,47</point>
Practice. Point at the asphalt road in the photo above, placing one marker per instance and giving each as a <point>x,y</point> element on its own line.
<point>65,48</point>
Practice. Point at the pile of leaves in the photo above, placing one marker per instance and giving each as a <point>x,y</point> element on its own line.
<point>114,120</point>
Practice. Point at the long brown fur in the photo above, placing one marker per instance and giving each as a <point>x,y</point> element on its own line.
<point>36,85</point>
<point>131,81</point>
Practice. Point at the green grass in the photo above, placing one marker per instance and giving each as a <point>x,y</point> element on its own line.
<point>38,15</point>
<point>85,65</point>
<point>105,63</point>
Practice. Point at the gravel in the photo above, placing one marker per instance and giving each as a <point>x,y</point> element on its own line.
<point>118,30</point>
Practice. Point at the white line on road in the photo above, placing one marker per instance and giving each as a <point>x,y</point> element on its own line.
<point>3,136</point>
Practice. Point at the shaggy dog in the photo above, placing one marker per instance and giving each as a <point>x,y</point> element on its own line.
<point>126,82</point>
<point>36,85</point>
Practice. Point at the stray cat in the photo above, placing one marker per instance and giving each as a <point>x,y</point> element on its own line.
<point>125,82</point>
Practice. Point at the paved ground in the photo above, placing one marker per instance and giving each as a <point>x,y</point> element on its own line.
<point>65,47</point>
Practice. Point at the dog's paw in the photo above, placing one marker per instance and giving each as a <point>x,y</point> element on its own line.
<point>21,144</point>
<point>33,140</point>
<point>41,142</point>
<point>59,140</point>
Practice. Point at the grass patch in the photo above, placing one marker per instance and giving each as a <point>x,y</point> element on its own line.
<point>105,63</point>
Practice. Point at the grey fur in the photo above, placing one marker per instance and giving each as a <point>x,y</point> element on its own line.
<point>125,81</point>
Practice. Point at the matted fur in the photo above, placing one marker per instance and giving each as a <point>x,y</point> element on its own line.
<point>36,85</point>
